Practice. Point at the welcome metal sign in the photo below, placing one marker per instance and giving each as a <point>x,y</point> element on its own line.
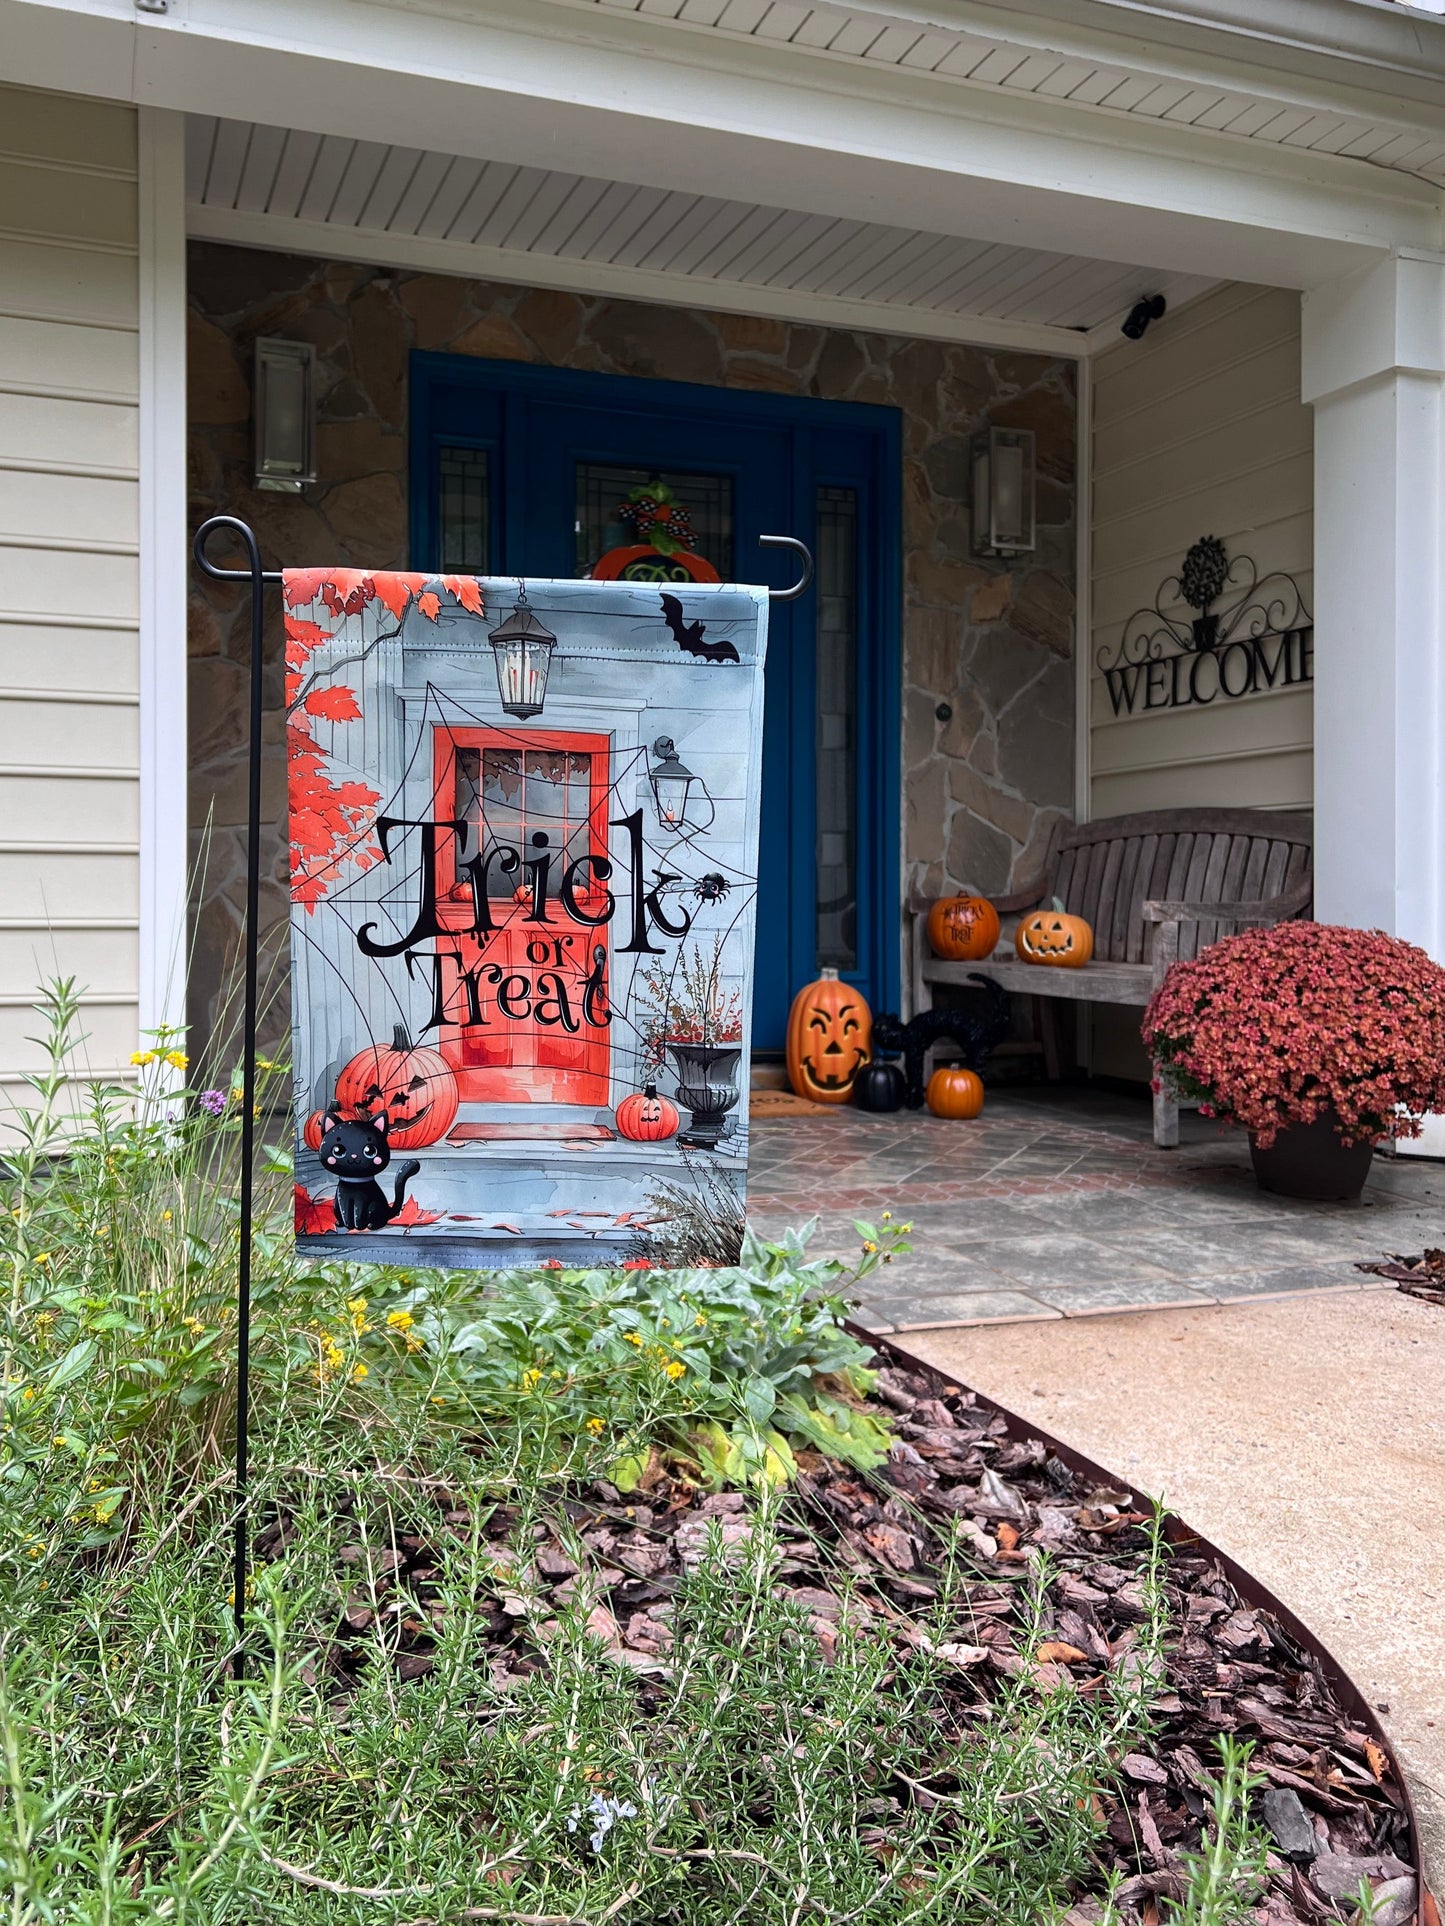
<point>1246,634</point>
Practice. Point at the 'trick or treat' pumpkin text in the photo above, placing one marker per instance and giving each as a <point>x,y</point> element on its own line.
<point>963,928</point>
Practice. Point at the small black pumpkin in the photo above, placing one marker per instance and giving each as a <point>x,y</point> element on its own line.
<point>879,1086</point>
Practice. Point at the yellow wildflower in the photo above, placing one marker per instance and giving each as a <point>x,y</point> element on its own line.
<point>414,1343</point>
<point>595,1426</point>
<point>888,1217</point>
<point>177,1059</point>
<point>676,1369</point>
<point>28,1393</point>
<point>43,1321</point>
<point>42,1257</point>
<point>165,1217</point>
<point>194,1325</point>
<point>631,1337</point>
<point>140,1058</point>
<point>904,1229</point>
<point>357,1307</point>
<point>700,1321</point>
<point>400,1320</point>
<point>358,1372</point>
<point>531,1379</point>
<point>869,1247</point>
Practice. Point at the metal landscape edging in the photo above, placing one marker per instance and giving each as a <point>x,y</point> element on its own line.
<point>1179,1533</point>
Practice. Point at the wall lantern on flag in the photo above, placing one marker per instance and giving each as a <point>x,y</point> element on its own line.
<point>523,647</point>
<point>672,783</point>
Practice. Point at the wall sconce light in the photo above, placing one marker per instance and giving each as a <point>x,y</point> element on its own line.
<point>523,648</point>
<point>672,783</point>
<point>285,414</point>
<point>1003,492</point>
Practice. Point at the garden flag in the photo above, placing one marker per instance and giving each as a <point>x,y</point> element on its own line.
<point>524,829</point>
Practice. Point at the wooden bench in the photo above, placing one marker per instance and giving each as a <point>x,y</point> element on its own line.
<point>1154,887</point>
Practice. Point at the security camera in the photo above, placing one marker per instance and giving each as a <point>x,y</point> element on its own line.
<point>1141,314</point>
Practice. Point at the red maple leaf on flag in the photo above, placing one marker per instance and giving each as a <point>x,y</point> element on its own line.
<point>467,590</point>
<point>411,1212</point>
<point>314,1215</point>
<point>430,605</point>
<point>336,704</point>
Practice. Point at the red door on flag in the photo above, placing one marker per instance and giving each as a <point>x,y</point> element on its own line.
<point>539,984</point>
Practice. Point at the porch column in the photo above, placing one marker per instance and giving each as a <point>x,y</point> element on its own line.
<point>1373,367</point>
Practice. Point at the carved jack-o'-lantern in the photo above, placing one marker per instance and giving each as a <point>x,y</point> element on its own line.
<point>830,1030</point>
<point>954,1091</point>
<point>647,1118</point>
<point>963,928</point>
<point>1053,936</point>
<point>413,1084</point>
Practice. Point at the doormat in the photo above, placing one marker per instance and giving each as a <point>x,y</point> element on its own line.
<point>529,1133</point>
<point>782,1103</point>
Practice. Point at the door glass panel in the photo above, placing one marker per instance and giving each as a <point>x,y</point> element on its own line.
<point>837,727</point>
<point>509,797</point>
<point>463,518</point>
<point>705,503</point>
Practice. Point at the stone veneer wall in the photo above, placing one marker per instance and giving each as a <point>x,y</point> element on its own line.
<point>983,790</point>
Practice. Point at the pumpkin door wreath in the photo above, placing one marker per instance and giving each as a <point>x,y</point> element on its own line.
<point>1054,937</point>
<point>662,551</point>
<point>830,1032</point>
<point>954,1091</point>
<point>411,1082</point>
<point>963,929</point>
<point>646,1118</point>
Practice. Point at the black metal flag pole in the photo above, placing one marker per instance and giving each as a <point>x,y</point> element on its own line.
<point>260,578</point>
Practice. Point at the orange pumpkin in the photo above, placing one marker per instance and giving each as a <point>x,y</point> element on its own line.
<point>954,1092</point>
<point>412,1083</point>
<point>1053,936</point>
<point>963,928</point>
<point>312,1131</point>
<point>647,1118</point>
<point>830,1031</point>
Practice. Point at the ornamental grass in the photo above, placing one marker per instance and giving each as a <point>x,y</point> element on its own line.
<point>1303,1021</point>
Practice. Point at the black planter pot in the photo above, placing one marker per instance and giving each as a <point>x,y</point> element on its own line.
<point>1310,1162</point>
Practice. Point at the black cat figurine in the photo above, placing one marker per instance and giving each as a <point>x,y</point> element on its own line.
<point>356,1152</point>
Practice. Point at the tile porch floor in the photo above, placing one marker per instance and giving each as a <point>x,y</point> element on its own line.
<point>1055,1203</point>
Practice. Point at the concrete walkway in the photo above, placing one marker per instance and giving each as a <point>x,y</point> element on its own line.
<point>1306,1437</point>
<point>1055,1204</point>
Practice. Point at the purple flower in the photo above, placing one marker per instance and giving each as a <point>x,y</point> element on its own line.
<point>212,1101</point>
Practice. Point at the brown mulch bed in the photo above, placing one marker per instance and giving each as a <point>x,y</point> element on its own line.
<point>1332,1801</point>
<point>1422,1276</point>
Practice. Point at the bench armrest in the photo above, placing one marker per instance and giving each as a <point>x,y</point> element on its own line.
<point>1168,915</point>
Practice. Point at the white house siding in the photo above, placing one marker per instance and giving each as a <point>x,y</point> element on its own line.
<point>69,372</point>
<point>1198,430</point>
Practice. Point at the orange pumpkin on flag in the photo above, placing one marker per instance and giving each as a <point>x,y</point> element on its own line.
<point>646,1118</point>
<point>412,1083</point>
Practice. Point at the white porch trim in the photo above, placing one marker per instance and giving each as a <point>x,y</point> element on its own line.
<point>164,561</point>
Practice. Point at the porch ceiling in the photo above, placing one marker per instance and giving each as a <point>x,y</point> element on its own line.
<point>356,199</point>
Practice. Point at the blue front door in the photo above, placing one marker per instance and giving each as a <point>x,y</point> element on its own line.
<point>522,471</point>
